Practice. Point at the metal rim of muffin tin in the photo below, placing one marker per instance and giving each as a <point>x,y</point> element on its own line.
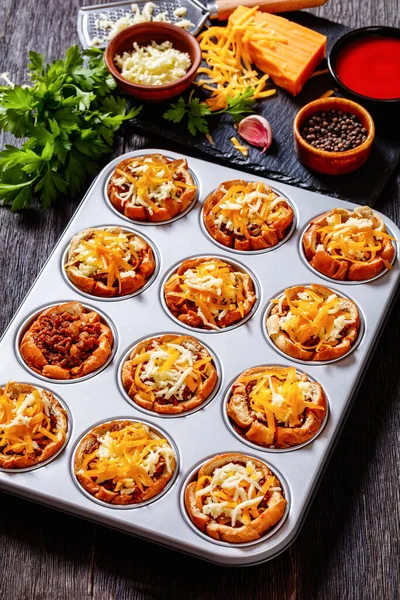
<point>182,214</point>
<point>228,393</point>
<point>152,413</point>
<point>343,281</point>
<point>360,336</point>
<point>233,263</point>
<point>157,429</point>
<point>149,282</point>
<point>288,235</point>
<point>70,425</point>
<point>35,314</point>
<point>191,475</point>
<point>206,433</point>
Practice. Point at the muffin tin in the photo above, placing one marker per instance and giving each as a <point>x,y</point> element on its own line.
<point>204,432</point>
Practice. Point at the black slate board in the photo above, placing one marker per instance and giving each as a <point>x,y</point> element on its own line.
<point>280,162</point>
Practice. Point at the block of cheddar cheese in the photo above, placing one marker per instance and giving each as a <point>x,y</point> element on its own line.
<point>288,52</point>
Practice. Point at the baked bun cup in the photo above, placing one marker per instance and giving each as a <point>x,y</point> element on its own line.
<point>208,293</point>
<point>169,374</point>
<point>151,188</point>
<point>33,425</point>
<point>349,245</point>
<point>329,331</point>
<point>109,262</point>
<point>276,407</point>
<point>117,453</point>
<point>247,215</point>
<point>231,524</point>
<point>66,342</point>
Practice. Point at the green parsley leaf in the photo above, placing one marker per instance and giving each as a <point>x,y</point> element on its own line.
<point>198,112</point>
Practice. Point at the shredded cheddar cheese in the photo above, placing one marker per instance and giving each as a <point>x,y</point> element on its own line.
<point>107,253</point>
<point>280,396</point>
<point>238,146</point>
<point>148,182</point>
<point>358,240</point>
<point>169,369</point>
<point>128,457</point>
<point>313,322</point>
<point>233,493</point>
<point>229,68</point>
<point>247,205</point>
<point>25,423</point>
<point>214,288</point>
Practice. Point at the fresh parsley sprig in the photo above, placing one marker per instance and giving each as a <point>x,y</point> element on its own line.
<point>69,115</point>
<point>198,113</point>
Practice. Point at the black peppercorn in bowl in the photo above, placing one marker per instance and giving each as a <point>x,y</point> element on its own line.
<point>341,138</point>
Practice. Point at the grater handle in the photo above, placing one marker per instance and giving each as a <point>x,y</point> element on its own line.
<point>221,9</point>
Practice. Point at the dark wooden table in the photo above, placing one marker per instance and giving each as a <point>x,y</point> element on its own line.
<point>349,545</point>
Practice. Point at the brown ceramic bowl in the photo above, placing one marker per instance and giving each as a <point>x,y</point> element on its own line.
<point>143,34</point>
<point>333,163</point>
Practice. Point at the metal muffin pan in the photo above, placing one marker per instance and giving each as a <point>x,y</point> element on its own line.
<point>205,432</point>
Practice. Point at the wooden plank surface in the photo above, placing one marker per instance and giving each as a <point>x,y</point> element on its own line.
<point>349,546</point>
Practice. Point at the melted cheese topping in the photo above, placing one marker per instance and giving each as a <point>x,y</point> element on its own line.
<point>229,67</point>
<point>155,64</point>
<point>129,457</point>
<point>149,182</point>
<point>356,239</point>
<point>279,396</point>
<point>113,254</point>
<point>215,288</point>
<point>25,423</point>
<point>233,493</point>
<point>249,204</point>
<point>170,368</point>
<point>313,321</point>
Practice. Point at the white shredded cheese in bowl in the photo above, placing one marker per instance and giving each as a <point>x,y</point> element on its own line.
<point>158,64</point>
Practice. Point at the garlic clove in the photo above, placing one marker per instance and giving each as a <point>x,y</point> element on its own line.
<point>257,131</point>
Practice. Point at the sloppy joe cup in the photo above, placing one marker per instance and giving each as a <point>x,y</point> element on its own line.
<point>94,354</point>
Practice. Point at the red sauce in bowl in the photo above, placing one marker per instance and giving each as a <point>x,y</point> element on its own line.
<point>371,67</point>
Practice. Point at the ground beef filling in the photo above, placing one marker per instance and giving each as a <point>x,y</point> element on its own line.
<point>65,340</point>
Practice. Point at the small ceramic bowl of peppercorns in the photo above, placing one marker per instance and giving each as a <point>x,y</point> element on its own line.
<point>333,135</point>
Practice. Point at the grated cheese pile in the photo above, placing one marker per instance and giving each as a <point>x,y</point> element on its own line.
<point>233,493</point>
<point>129,457</point>
<point>229,68</point>
<point>214,288</point>
<point>149,182</point>
<point>109,253</point>
<point>25,422</point>
<point>355,239</point>
<point>111,27</point>
<point>314,322</point>
<point>170,368</point>
<point>280,396</point>
<point>158,64</point>
<point>246,205</point>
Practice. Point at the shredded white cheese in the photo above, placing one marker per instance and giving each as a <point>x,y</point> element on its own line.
<point>158,64</point>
